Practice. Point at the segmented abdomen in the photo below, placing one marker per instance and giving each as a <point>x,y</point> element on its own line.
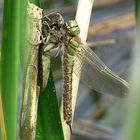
<point>67,95</point>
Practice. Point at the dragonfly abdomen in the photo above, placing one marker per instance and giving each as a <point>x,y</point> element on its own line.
<point>68,61</point>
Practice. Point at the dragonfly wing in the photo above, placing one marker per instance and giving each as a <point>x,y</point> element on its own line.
<point>97,75</point>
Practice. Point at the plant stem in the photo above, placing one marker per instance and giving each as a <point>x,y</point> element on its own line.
<point>9,65</point>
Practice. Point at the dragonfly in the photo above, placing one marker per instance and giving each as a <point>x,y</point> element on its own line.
<point>53,37</point>
<point>81,60</point>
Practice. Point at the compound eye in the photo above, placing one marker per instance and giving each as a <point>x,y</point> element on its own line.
<point>73,28</point>
<point>60,19</point>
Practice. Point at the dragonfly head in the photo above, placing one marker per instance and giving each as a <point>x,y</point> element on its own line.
<point>59,19</point>
<point>56,19</point>
<point>73,27</point>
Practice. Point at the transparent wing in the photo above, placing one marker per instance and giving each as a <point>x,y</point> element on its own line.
<point>97,75</point>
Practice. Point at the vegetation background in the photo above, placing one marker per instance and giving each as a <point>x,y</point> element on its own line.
<point>97,117</point>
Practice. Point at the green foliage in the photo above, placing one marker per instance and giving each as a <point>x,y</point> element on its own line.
<point>48,121</point>
<point>137,9</point>
<point>13,36</point>
<point>133,122</point>
<point>9,65</point>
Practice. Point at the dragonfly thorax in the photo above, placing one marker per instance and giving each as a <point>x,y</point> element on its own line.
<point>72,28</point>
<point>54,19</point>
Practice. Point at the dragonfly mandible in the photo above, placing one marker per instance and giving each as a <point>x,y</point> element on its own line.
<point>81,60</point>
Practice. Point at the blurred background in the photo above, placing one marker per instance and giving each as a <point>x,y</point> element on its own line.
<point>99,117</point>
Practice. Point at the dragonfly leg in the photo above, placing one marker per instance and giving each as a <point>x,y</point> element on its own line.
<point>54,51</point>
<point>51,13</point>
<point>45,23</point>
<point>58,50</point>
<point>49,47</point>
<point>45,39</point>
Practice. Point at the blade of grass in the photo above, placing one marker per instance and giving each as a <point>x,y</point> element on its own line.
<point>48,119</point>
<point>9,65</point>
<point>133,124</point>
<point>2,124</point>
